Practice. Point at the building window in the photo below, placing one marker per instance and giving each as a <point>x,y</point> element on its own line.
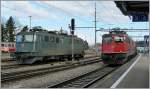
<point>12,45</point>
<point>9,45</point>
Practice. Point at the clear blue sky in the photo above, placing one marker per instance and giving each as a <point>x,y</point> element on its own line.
<point>53,15</point>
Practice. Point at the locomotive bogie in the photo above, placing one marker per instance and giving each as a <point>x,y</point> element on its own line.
<point>114,58</point>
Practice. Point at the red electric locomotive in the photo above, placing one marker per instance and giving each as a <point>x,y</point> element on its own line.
<point>117,46</point>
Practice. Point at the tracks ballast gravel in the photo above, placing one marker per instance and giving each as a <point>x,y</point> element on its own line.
<point>6,77</point>
<point>3,67</point>
<point>85,80</point>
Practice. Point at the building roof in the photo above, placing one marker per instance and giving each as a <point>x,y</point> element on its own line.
<point>133,7</point>
<point>138,10</point>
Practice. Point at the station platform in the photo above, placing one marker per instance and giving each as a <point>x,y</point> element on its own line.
<point>137,76</point>
<point>133,74</point>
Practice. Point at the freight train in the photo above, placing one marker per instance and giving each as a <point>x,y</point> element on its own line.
<point>117,47</point>
<point>41,45</point>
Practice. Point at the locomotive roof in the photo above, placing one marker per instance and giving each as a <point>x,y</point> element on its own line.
<point>117,32</point>
<point>48,32</point>
<point>40,30</point>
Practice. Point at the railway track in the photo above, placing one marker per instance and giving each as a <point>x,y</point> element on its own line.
<point>85,80</point>
<point>18,66</point>
<point>6,77</point>
<point>12,66</point>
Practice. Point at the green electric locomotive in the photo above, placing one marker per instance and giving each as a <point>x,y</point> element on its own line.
<point>41,45</point>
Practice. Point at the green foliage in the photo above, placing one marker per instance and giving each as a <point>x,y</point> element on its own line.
<point>2,32</point>
<point>4,35</point>
<point>10,26</point>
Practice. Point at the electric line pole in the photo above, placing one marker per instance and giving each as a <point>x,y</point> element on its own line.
<point>95,25</point>
<point>30,21</point>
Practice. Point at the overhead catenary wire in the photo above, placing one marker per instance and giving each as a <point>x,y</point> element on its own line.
<point>9,7</point>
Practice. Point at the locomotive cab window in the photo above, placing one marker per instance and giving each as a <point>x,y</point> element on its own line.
<point>25,38</point>
<point>19,38</point>
<point>118,39</point>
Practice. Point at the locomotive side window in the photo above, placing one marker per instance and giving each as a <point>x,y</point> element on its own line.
<point>28,38</point>
<point>57,40</point>
<point>51,39</point>
<point>46,38</point>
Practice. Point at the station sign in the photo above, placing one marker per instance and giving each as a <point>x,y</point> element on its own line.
<point>139,18</point>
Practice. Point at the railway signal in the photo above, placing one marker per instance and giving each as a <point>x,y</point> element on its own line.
<point>72,26</point>
<point>72,33</point>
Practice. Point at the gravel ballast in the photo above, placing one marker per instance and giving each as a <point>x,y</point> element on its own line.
<point>43,81</point>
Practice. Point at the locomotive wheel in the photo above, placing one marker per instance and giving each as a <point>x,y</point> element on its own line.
<point>60,58</point>
<point>45,59</point>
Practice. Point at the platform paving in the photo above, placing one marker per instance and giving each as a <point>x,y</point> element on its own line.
<point>138,76</point>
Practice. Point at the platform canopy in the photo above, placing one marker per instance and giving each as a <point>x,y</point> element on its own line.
<point>138,10</point>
